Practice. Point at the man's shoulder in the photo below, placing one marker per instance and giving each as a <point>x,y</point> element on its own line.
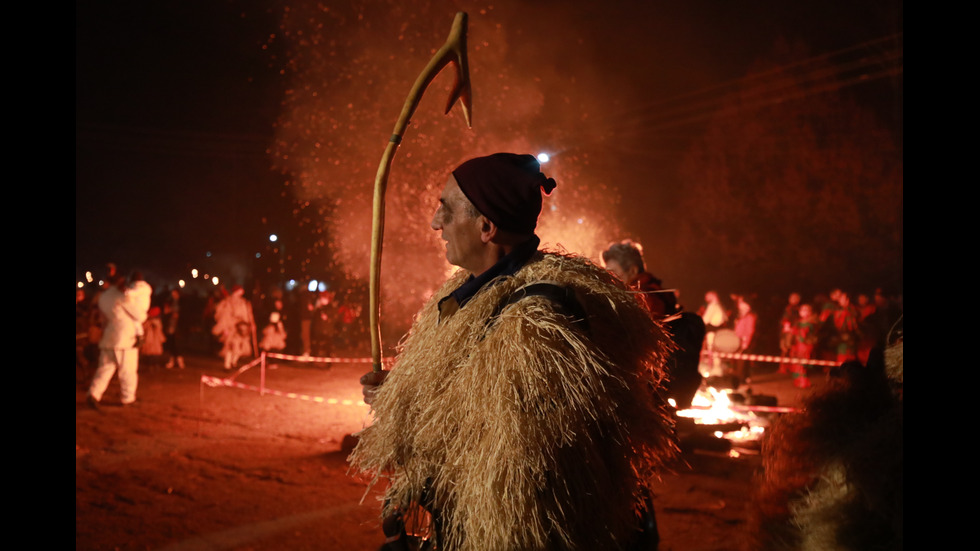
<point>592,285</point>
<point>556,266</point>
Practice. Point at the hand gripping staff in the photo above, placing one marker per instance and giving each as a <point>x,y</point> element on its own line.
<point>453,51</point>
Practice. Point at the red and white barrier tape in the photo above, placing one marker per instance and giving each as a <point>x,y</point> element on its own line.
<point>735,356</point>
<point>230,381</point>
<point>776,359</point>
<point>316,359</point>
<point>220,382</point>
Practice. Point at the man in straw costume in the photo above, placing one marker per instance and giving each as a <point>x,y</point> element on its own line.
<point>523,412</point>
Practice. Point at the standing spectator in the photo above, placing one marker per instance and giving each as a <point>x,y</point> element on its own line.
<point>273,335</point>
<point>804,338</point>
<point>306,314</point>
<point>828,338</point>
<point>279,307</point>
<point>745,323</point>
<point>845,319</point>
<point>234,325</point>
<point>714,316</point>
<point>151,348</point>
<point>324,325</point>
<point>876,327</point>
<point>349,313</point>
<point>209,316</point>
<point>791,313</point>
<point>625,260</point>
<point>171,327</point>
<point>96,323</point>
<point>118,352</point>
<point>864,307</point>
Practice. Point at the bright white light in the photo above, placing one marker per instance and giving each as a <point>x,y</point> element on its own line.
<point>312,286</point>
<point>273,238</point>
<point>543,158</point>
<point>214,281</point>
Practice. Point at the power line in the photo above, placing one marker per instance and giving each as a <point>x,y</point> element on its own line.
<point>814,75</point>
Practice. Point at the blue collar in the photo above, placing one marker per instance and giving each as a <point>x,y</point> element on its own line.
<point>508,265</point>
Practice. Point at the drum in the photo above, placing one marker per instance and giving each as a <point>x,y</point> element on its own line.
<point>726,341</point>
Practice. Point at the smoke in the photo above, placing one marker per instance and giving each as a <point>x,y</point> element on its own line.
<point>350,67</point>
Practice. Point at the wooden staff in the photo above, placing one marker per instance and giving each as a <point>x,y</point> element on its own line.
<point>453,51</point>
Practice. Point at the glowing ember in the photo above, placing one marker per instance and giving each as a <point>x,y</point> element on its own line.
<point>712,406</point>
<point>349,68</point>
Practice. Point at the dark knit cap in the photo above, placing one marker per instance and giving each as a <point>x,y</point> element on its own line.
<point>506,188</point>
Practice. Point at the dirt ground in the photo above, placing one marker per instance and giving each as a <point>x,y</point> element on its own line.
<point>198,467</point>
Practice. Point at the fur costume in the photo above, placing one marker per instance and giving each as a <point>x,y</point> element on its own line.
<point>530,432</point>
<point>834,472</point>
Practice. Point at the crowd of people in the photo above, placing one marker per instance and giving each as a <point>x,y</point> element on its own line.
<point>831,327</point>
<point>228,323</point>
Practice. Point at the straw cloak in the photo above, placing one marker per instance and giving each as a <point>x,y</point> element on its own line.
<point>530,431</point>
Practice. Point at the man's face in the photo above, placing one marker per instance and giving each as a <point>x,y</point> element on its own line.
<point>617,269</point>
<point>627,275</point>
<point>460,229</point>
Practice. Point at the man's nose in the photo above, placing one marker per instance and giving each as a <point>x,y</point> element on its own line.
<point>436,223</point>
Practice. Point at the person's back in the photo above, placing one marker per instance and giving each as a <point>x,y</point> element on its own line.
<point>140,293</point>
<point>234,326</point>
<point>551,387</point>
<point>118,346</point>
<point>121,320</point>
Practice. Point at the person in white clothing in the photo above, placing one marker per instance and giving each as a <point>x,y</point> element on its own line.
<point>118,352</point>
<point>234,325</point>
<point>714,316</point>
<point>140,294</point>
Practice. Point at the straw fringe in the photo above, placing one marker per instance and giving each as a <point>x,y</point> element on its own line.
<point>833,476</point>
<point>530,433</point>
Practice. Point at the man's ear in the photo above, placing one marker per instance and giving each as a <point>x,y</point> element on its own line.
<point>488,230</point>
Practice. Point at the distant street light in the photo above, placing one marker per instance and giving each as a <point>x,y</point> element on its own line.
<point>282,257</point>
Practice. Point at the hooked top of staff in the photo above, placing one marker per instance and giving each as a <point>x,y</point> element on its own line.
<point>455,50</point>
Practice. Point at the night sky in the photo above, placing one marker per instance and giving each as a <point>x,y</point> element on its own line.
<point>188,127</point>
